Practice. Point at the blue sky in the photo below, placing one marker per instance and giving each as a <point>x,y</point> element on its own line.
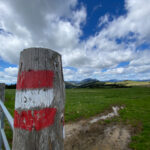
<point>103,39</point>
<point>98,8</point>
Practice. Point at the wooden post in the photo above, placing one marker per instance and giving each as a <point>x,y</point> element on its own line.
<point>2,91</point>
<point>39,102</point>
<point>2,98</point>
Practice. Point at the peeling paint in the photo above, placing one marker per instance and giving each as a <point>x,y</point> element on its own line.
<point>34,98</point>
<point>35,79</point>
<point>34,119</point>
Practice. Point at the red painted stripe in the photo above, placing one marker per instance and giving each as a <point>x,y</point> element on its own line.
<point>35,79</point>
<point>34,119</point>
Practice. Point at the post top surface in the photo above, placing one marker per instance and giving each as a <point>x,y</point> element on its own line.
<point>39,48</point>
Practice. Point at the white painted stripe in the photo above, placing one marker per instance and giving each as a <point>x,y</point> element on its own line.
<point>33,98</point>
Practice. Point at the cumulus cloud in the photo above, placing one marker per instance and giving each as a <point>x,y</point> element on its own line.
<point>9,75</point>
<point>39,23</point>
<point>136,20</point>
<point>11,71</point>
<point>59,27</point>
<point>103,20</point>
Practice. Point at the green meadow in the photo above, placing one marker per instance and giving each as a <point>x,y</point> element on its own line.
<point>85,103</point>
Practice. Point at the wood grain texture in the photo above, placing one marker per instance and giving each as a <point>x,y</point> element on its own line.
<point>2,91</point>
<point>51,137</point>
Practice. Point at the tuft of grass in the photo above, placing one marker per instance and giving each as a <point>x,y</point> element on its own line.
<point>84,103</point>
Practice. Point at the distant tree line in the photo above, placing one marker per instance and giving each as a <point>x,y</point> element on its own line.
<point>11,86</point>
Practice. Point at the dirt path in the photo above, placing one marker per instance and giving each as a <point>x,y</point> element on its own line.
<point>91,135</point>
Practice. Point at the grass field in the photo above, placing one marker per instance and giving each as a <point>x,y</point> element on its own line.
<point>84,103</point>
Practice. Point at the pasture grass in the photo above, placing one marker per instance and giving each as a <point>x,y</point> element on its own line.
<point>84,103</point>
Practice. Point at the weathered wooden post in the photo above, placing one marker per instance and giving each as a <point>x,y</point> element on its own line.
<point>39,102</point>
<point>2,98</point>
<point>2,91</point>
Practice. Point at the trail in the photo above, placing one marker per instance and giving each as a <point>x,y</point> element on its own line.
<point>91,135</point>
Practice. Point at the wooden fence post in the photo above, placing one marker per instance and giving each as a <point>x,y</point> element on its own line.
<point>39,102</point>
<point>2,91</point>
<point>2,97</point>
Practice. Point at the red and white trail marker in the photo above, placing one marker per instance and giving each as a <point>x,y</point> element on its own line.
<point>39,102</point>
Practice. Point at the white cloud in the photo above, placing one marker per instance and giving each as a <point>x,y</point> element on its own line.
<point>115,71</point>
<point>59,27</point>
<point>69,74</point>
<point>142,58</point>
<point>10,47</point>
<point>9,75</point>
<point>104,20</point>
<point>11,71</point>
<point>136,21</point>
<point>40,23</point>
<point>138,68</point>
